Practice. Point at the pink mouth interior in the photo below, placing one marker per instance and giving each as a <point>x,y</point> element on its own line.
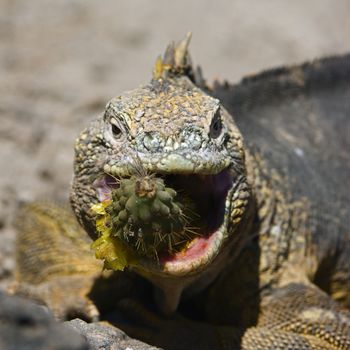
<point>195,250</point>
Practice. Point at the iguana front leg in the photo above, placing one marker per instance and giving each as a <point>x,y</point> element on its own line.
<point>299,316</point>
<point>66,296</point>
<point>54,262</point>
<point>296,316</point>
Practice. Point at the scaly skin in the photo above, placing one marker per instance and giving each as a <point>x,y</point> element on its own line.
<point>254,272</point>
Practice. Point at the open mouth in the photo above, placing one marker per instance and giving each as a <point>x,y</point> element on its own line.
<point>208,194</point>
<point>204,201</point>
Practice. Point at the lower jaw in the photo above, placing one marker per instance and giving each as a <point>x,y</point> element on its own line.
<point>200,252</point>
<point>197,255</point>
<point>183,271</point>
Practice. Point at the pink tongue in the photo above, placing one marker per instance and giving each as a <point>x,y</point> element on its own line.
<point>196,249</point>
<point>103,186</point>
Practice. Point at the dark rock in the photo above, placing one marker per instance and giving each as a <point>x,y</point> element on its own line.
<point>27,326</point>
<point>104,337</point>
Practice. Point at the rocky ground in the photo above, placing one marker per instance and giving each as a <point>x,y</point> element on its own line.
<point>61,61</point>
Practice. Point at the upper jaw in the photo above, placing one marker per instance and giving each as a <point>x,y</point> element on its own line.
<point>204,163</point>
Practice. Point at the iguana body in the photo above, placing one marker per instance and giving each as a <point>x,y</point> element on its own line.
<point>274,200</point>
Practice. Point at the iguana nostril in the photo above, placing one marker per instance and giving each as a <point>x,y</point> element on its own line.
<point>192,137</point>
<point>153,141</point>
<point>195,141</point>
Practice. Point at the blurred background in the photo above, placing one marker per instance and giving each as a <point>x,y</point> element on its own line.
<point>61,61</point>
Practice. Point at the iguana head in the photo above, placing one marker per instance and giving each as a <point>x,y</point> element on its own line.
<point>177,132</point>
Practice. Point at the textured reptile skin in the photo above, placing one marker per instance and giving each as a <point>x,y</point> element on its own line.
<point>279,276</point>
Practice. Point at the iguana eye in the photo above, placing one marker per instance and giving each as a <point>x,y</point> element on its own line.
<point>116,130</point>
<point>216,126</point>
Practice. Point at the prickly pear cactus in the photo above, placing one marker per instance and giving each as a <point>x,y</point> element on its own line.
<point>143,218</point>
<point>149,217</point>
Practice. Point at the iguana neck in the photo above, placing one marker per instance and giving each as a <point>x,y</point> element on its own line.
<point>281,226</point>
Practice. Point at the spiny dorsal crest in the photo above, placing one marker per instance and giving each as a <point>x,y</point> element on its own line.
<point>175,62</point>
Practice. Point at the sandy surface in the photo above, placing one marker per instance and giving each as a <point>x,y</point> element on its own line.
<point>61,61</point>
